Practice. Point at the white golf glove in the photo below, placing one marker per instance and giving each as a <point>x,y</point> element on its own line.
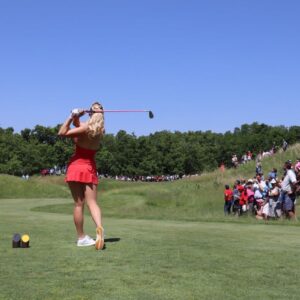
<point>76,112</point>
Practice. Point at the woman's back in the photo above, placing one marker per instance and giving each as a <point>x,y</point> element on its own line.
<point>85,141</point>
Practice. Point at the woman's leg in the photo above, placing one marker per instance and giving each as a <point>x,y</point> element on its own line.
<point>77,190</point>
<point>90,194</point>
<point>91,200</point>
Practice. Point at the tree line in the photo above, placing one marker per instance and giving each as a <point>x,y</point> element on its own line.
<point>162,152</point>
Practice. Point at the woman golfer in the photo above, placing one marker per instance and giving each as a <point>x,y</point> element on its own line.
<point>82,173</point>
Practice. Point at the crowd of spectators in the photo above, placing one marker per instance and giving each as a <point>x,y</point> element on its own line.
<point>61,171</point>
<point>267,197</point>
<point>248,156</point>
<point>145,178</point>
<point>55,170</point>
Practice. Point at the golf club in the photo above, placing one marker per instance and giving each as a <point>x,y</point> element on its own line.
<point>151,116</point>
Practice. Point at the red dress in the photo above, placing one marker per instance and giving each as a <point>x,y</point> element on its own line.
<point>82,166</point>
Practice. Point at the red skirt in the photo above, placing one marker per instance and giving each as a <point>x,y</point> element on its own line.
<point>82,167</point>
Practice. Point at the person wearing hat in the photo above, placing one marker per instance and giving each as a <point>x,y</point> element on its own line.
<point>288,186</point>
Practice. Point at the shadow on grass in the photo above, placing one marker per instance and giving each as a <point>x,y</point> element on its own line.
<point>112,240</point>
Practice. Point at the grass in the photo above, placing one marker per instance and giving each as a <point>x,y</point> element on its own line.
<point>35,187</point>
<point>163,241</point>
<point>145,259</point>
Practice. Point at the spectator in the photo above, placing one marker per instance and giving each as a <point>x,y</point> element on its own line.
<point>288,191</point>
<point>236,200</point>
<point>274,148</point>
<point>284,144</point>
<point>258,198</point>
<point>261,183</point>
<point>250,194</point>
<point>239,187</point>
<point>228,197</point>
<point>272,174</point>
<point>234,161</point>
<point>249,155</point>
<point>258,157</point>
<point>243,201</point>
<point>274,198</point>
<point>244,158</point>
<point>297,166</point>
<point>258,168</point>
<point>222,167</point>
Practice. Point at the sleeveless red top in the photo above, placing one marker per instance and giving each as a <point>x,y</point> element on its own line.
<point>82,166</point>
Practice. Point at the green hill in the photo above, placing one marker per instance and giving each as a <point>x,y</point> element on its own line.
<point>195,198</point>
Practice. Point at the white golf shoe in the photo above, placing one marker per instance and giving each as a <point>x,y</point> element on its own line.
<point>86,241</point>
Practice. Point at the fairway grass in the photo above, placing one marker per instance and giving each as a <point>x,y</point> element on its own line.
<point>145,259</point>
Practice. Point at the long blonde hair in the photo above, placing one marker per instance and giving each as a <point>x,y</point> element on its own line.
<point>96,121</point>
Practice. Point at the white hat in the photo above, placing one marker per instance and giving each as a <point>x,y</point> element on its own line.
<point>273,181</point>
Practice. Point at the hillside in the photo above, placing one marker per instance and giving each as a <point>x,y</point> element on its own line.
<point>196,198</point>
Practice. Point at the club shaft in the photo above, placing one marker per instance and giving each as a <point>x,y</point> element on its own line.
<point>119,110</point>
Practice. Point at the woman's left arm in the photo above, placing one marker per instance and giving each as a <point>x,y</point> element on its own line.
<point>65,127</point>
<point>74,117</point>
<point>74,132</point>
<point>76,121</point>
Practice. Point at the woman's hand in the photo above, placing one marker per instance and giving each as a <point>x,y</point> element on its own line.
<point>76,112</point>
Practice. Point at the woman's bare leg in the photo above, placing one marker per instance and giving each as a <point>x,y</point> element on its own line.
<point>77,190</point>
<point>90,195</point>
<point>91,200</point>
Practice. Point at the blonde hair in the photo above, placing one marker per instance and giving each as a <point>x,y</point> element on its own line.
<point>96,121</point>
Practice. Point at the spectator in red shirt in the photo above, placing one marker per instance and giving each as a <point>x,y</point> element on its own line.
<point>249,155</point>
<point>244,201</point>
<point>239,186</point>
<point>228,197</point>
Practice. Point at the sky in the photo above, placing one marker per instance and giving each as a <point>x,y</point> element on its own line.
<point>198,65</point>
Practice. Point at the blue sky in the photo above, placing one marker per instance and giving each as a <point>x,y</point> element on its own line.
<point>198,65</point>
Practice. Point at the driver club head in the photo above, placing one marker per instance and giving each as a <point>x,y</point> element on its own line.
<point>151,116</point>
